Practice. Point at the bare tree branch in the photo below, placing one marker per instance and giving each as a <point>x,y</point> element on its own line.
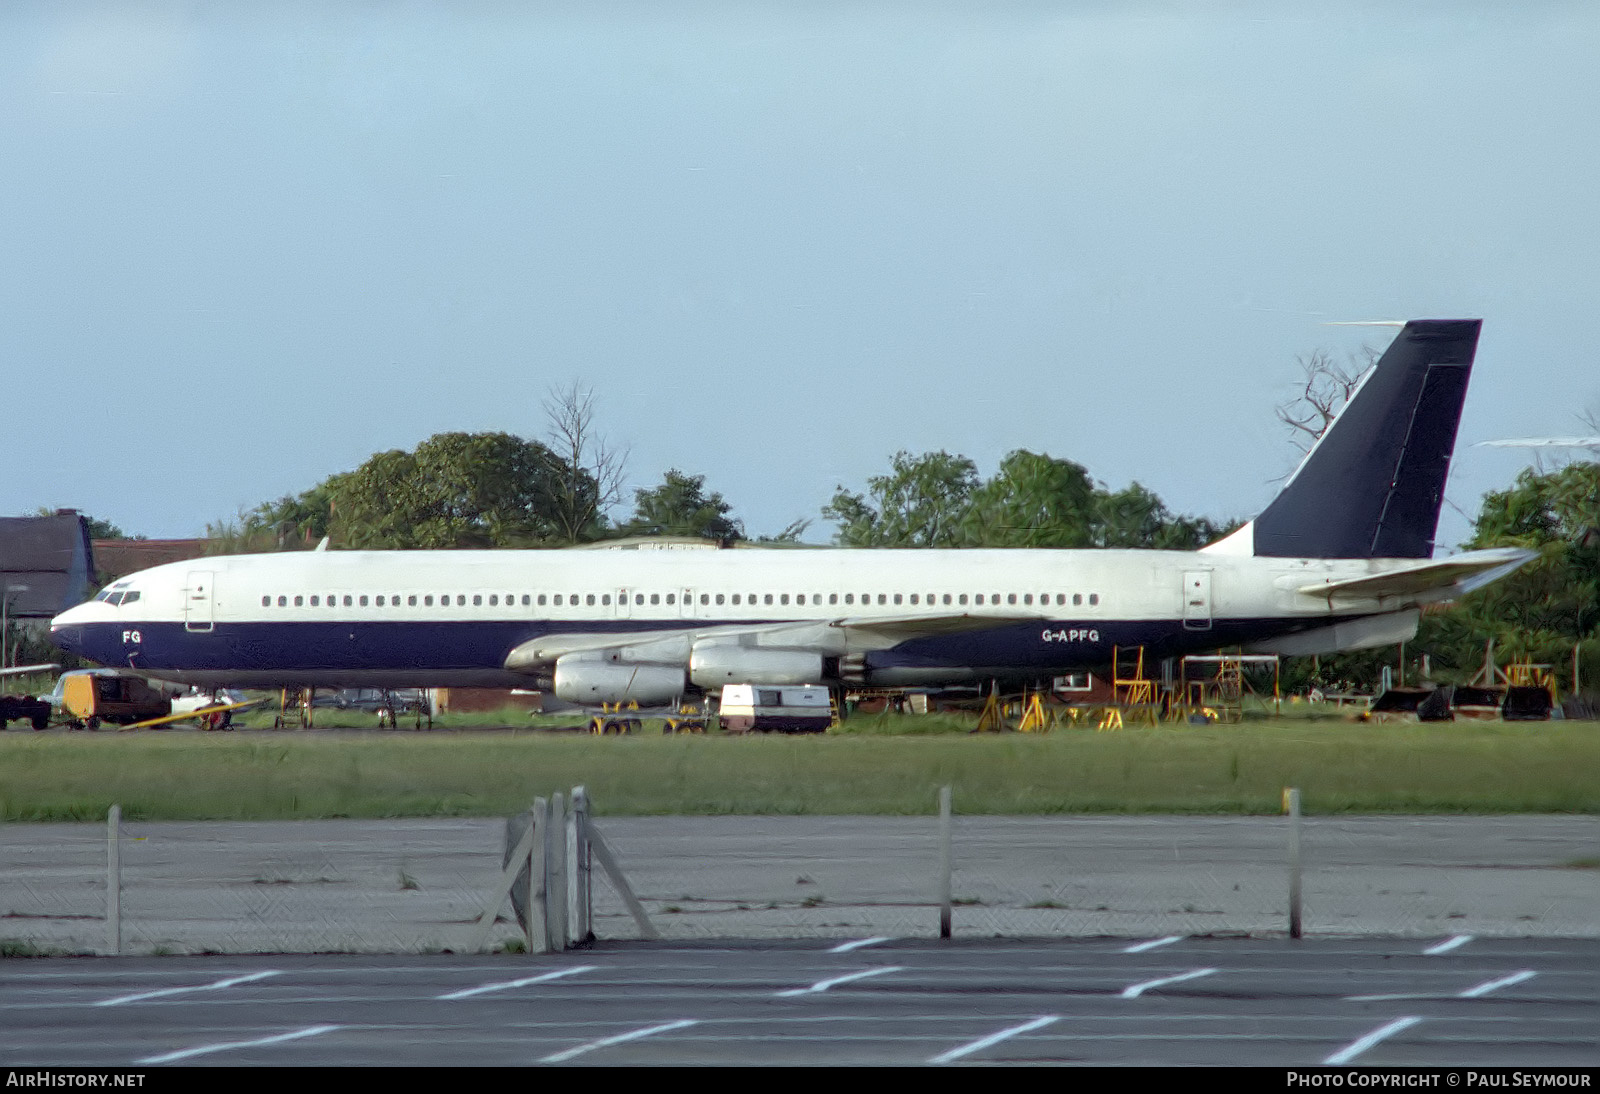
<point>590,470</point>
<point>1590,415</point>
<point>1326,387</point>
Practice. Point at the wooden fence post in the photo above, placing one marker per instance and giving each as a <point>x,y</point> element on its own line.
<point>538,925</point>
<point>944,862</point>
<point>556,897</point>
<point>114,880</point>
<point>580,909</point>
<point>1292,799</point>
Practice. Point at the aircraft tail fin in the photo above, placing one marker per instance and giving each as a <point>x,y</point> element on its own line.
<point>1372,485</point>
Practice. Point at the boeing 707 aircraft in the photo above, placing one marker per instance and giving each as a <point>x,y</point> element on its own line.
<point>1341,559</point>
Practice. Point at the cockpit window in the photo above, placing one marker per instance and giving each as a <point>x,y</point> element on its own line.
<point>129,598</point>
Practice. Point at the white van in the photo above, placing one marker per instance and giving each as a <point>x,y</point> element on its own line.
<point>801,708</point>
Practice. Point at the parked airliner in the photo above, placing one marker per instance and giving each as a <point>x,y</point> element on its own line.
<point>1342,558</point>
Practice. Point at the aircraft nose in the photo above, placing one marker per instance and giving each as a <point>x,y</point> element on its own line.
<point>66,630</point>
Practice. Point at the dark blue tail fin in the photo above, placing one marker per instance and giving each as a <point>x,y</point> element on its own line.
<point>1373,484</point>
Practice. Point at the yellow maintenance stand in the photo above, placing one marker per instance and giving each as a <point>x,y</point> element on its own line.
<point>1133,694</point>
<point>992,718</point>
<point>1036,717</point>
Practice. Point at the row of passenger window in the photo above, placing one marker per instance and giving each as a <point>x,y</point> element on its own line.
<point>426,600</point>
<point>355,600</point>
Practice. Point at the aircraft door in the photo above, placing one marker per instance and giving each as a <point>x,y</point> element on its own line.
<point>686,604</point>
<point>624,604</point>
<point>199,597</point>
<point>1197,600</point>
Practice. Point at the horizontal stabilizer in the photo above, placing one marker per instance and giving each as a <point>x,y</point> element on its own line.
<point>1447,578</point>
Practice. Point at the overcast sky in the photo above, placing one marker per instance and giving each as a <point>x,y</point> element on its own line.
<point>247,245</point>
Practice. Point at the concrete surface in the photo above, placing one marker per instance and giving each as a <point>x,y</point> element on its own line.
<point>419,885</point>
<point>1190,1002</point>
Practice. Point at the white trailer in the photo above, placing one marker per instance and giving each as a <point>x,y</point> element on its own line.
<point>802,708</point>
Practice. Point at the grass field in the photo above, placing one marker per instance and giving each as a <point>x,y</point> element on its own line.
<point>1341,768</point>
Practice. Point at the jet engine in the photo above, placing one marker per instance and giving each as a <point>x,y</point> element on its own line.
<point>591,681</point>
<point>713,664</point>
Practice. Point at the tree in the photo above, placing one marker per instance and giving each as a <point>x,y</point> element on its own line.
<point>589,470</point>
<point>920,503</point>
<point>1136,517</point>
<point>453,490</point>
<point>681,507</point>
<point>104,529</point>
<point>1540,611</point>
<point>238,536</point>
<point>299,520</point>
<point>1034,500</point>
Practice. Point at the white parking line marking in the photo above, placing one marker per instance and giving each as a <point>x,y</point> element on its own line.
<point>1356,1048</point>
<point>1471,993</point>
<point>560,1057</point>
<point>228,983</point>
<point>1141,947</point>
<point>994,1039</point>
<point>1133,991</point>
<point>1448,944</point>
<point>824,985</point>
<point>167,1058</point>
<point>1495,985</point>
<point>507,985</point>
<point>857,944</point>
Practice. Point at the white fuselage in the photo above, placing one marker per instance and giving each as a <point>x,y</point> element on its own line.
<point>402,618</point>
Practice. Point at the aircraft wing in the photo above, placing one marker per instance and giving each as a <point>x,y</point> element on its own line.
<point>1443,579</point>
<point>832,637</point>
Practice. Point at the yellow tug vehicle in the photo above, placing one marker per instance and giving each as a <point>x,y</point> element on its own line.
<point>92,698</point>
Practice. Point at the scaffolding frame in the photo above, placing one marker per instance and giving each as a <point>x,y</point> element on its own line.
<point>1220,697</point>
<point>1133,698</point>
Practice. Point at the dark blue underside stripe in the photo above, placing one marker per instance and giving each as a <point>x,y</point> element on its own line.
<point>483,645</point>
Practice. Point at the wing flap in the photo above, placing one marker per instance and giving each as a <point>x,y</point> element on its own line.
<point>896,629</point>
